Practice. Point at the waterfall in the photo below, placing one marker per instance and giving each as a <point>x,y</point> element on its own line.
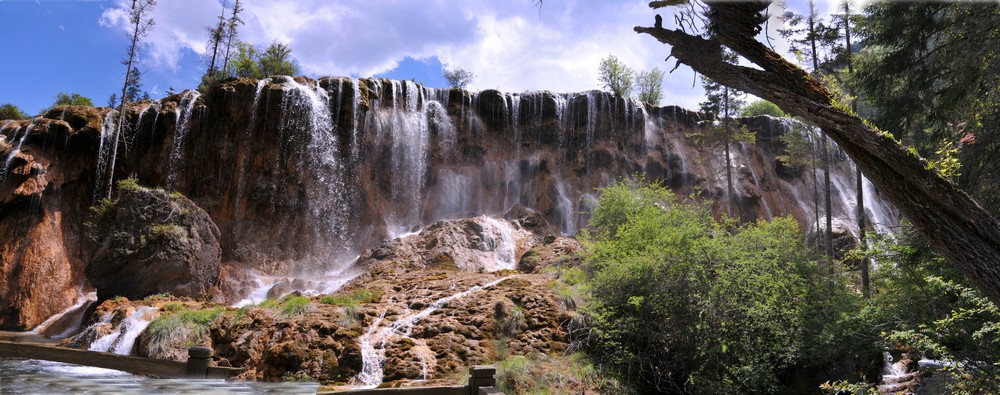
<point>307,107</point>
<point>503,244</point>
<point>122,340</point>
<point>407,126</point>
<point>373,342</point>
<point>17,149</point>
<point>81,301</point>
<point>183,126</point>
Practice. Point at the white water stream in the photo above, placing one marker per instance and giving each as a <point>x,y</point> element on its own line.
<point>374,341</point>
<point>123,338</point>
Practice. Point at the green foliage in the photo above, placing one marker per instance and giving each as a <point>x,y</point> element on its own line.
<point>276,59</point>
<point>179,328</point>
<point>508,320</point>
<point>10,111</point>
<point>649,86</point>
<point>801,150</point>
<point>359,296</point>
<point>128,185</point>
<point>73,99</point>
<point>928,72</point>
<point>269,304</point>
<point>678,301</point>
<point>458,78</point>
<point>925,305</point>
<point>294,305</point>
<point>159,296</point>
<point>615,76</point>
<point>553,374</point>
<point>762,107</point>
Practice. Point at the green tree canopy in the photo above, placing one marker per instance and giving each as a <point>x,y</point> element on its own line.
<point>276,59</point>
<point>615,76</point>
<point>459,78</point>
<point>72,99</point>
<point>761,107</point>
<point>649,86</point>
<point>10,111</point>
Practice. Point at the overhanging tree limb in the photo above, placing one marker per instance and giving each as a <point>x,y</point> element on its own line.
<point>954,224</point>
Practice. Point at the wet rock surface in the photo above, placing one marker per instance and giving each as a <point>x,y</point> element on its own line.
<point>148,241</point>
<point>302,175</point>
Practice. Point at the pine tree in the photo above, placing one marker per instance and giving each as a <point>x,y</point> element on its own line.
<point>216,36</point>
<point>231,36</point>
<point>140,22</point>
<point>808,35</point>
<point>723,103</point>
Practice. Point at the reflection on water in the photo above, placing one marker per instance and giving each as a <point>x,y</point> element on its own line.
<point>18,376</point>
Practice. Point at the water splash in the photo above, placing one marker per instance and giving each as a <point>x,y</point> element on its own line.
<point>122,340</point>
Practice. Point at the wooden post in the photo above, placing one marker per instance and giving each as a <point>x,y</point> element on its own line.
<point>197,364</point>
<point>481,376</point>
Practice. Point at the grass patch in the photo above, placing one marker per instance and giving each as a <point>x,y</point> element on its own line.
<point>553,374</point>
<point>293,305</point>
<point>351,302</point>
<point>178,329</point>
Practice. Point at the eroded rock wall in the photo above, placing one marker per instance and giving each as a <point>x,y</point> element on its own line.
<point>302,175</point>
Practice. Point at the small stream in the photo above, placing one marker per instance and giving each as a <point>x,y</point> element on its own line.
<point>374,341</point>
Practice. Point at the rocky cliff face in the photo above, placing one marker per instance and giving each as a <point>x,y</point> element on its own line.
<point>300,175</point>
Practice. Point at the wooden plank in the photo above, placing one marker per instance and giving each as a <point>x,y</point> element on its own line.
<point>124,363</point>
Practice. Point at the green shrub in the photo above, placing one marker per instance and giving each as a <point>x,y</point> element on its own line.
<point>127,185</point>
<point>678,300</point>
<point>12,112</point>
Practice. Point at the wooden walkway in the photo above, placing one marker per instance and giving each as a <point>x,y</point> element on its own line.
<point>125,363</point>
<point>481,380</point>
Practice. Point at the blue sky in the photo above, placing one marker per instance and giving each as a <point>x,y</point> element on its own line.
<point>75,46</point>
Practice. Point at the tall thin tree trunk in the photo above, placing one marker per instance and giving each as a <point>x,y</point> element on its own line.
<point>862,242</point>
<point>729,163</point>
<point>829,205</point>
<point>815,164</point>
<point>136,27</point>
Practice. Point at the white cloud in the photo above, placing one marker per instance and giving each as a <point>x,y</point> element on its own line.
<point>179,25</point>
<point>512,46</point>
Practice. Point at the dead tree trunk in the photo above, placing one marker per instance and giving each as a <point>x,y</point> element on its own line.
<point>954,224</point>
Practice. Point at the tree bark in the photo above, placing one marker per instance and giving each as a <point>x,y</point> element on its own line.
<point>954,224</point>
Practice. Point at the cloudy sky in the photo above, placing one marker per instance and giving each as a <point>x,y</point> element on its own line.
<point>76,46</point>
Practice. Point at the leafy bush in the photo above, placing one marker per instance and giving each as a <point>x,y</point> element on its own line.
<point>680,302</point>
<point>924,305</point>
<point>762,107</point>
<point>10,111</point>
<point>73,99</point>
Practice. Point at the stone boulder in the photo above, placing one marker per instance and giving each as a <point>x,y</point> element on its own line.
<point>149,241</point>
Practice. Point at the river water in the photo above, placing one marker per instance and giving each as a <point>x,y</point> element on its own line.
<point>28,376</point>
